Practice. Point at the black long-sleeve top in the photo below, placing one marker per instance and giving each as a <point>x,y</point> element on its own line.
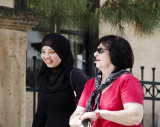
<point>55,109</point>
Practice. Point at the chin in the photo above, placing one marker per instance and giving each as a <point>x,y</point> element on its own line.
<point>50,66</point>
<point>97,66</point>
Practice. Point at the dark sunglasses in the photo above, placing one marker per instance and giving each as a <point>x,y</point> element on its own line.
<point>100,50</point>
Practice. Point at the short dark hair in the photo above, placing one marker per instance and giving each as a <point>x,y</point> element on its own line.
<point>121,54</point>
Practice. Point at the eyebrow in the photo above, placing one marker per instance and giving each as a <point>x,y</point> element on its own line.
<point>48,49</point>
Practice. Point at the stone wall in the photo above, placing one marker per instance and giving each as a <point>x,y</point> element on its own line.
<point>12,85</point>
<point>7,3</point>
<point>13,45</point>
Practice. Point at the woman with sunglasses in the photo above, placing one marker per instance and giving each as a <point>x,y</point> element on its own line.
<point>56,101</point>
<point>114,98</point>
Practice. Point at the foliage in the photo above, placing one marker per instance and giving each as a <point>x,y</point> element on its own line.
<point>144,15</point>
<point>70,13</point>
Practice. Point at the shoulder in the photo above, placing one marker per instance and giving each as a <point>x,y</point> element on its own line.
<point>130,89</point>
<point>76,72</point>
<point>127,76</point>
<point>128,80</point>
<point>79,76</point>
<point>90,82</point>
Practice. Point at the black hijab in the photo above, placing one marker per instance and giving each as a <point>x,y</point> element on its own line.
<point>56,79</point>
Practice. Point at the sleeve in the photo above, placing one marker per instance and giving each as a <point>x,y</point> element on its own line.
<point>79,79</point>
<point>132,91</point>
<point>40,116</point>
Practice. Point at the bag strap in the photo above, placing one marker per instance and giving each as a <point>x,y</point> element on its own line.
<point>74,91</point>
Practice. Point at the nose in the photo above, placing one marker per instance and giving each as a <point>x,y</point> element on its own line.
<point>95,53</point>
<point>47,55</point>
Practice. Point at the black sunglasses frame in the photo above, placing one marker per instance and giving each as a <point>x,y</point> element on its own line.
<point>100,50</point>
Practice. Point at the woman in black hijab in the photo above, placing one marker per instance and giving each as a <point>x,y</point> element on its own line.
<point>56,101</point>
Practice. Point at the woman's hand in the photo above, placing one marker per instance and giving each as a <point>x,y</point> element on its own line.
<point>89,115</point>
<point>76,121</point>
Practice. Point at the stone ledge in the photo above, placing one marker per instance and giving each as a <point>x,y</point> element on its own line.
<point>18,20</point>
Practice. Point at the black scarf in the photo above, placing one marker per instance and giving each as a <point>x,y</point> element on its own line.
<point>56,79</point>
<point>96,94</point>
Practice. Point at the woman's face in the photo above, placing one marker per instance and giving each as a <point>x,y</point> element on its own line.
<point>50,57</point>
<point>102,58</point>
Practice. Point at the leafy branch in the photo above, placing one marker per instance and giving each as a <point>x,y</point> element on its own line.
<point>143,15</point>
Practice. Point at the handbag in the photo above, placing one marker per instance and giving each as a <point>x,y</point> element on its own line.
<point>86,123</point>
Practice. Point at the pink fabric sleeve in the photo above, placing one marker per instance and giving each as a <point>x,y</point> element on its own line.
<point>132,91</point>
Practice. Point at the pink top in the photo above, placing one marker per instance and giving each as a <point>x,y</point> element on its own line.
<point>125,89</point>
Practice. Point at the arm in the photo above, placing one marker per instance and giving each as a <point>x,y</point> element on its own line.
<point>75,119</point>
<point>131,115</point>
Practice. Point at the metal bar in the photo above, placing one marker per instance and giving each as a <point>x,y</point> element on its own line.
<point>150,82</point>
<point>142,75</point>
<point>29,89</point>
<point>153,101</point>
<point>151,98</point>
<point>34,92</point>
<point>131,70</point>
<point>142,72</point>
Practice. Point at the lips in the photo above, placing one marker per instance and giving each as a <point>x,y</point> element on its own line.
<point>48,62</point>
<point>97,60</point>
